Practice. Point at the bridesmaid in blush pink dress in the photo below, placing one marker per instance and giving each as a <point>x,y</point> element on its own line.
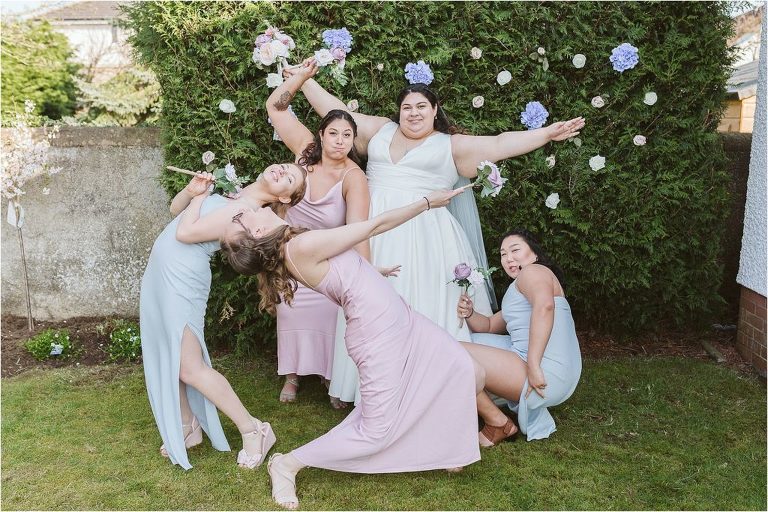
<point>417,385</point>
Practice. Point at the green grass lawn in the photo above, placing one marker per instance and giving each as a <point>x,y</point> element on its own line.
<point>638,434</point>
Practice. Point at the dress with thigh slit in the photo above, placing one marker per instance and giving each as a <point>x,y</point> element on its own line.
<point>417,385</point>
<point>174,295</point>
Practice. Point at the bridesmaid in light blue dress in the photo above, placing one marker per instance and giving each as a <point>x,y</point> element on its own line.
<point>184,391</point>
<point>538,363</point>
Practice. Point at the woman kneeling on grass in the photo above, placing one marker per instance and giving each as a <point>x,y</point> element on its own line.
<point>540,352</point>
<point>417,385</point>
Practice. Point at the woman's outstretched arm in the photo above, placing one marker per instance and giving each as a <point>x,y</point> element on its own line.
<point>196,186</point>
<point>295,135</point>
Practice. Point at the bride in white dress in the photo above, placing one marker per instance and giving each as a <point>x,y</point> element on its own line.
<point>407,159</point>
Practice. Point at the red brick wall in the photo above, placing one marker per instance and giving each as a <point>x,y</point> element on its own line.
<point>750,338</point>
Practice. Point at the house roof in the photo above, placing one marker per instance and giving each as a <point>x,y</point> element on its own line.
<point>84,11</point>
<point>743,80</point>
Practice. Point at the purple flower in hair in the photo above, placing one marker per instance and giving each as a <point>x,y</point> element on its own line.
<point>534,116</point>
<point>418,73</point>
<point>338,38</point>
<point>624,57</point>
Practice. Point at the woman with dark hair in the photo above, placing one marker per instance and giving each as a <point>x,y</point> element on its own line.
<point>538,352</point>
<point>337,194</point>
<point>416,151</point>
<point>184,390</point>
<point>417,385</point>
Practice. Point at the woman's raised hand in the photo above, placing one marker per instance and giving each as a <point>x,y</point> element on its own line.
<point>200,183</point>
<point>307,69</point>
<point>440,198</point>
<point>565,129</point>
<point>465,307</point>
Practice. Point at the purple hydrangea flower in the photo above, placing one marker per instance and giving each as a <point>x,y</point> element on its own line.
<point>534,116</point>
<point>418,73</point>
<point>624,57</point>
<point>338,38</point>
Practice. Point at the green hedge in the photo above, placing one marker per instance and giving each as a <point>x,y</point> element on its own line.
<point>638,239</point>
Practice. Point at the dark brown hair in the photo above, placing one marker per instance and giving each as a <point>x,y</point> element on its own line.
<point>313,153</point>
<point>442,122</point>
<point>264,257</point>
<point>542,258</point>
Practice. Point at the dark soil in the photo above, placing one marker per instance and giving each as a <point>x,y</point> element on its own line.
<point>90,338</point>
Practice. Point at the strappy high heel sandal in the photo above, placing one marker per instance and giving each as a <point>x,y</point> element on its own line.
<point>268,439</point>
<point>194,438</point>
<point>491,436</point>
<point>285,495</point>
<point>289,396</point>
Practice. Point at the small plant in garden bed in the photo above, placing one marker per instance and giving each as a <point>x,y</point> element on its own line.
<point>50,343</point>
<point>124,341</point>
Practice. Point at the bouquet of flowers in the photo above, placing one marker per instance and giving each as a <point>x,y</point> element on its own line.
<point>338,43</point>
<point>489,177</point>
<point>466,276</point>
<point>226,179</point>
<point>273,46</point>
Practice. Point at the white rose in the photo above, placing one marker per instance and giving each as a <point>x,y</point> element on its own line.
<point>353,105</point>
<point>504,77</point>
<point>208,157</point>
<point>478,101</point>
<point>380,66</point>
<point>552,200</point>
<point>597,162</point>
<point>323,57</point>
<point>639,140</point>
<point>550,161</point>
<point>579,60</point>
<point>475,52</point>
<point>541,51</point>
<point>229,172</point>
<point>46,191</point>
<point>266,55</point>
<point>274,80</point>
<point>227,106</point>
<point>650,98</point>
<point>476,278</point>
<point>279,48</point>
<point>598,102</point>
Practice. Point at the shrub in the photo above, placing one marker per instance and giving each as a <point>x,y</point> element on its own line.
<point>124,341</point>
<point>50,343</point>
<point>638,239</point>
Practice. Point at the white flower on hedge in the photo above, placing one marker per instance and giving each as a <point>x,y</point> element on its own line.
<point>504,77</point>
<point>274,80</point>
<point>650,98</point>
<point>229,171</point>
<point>597,162</point>
<point>552,200</point>
<point>264,55</point>
<point>227,106</point>
<point>353,105</point>
<point>208,157</point>
<point>280,49</point>
<point>478,101</point>
<point>639,140</point>
<point>46,191</point>
<point>380,66</point>
<point>579,60</point>
<point>541,51</point>
<point>476,52</point>
<point>598,102</point>
<point>323,57</point>
<point>550,161</point>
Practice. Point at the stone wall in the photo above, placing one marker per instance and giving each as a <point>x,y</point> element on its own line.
<point>87,241</point>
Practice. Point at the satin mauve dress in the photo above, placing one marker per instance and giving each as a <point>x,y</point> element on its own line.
<point>306,329</point>
<point>417,385</point>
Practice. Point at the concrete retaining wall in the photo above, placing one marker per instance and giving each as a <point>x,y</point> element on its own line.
<point>87,242</point>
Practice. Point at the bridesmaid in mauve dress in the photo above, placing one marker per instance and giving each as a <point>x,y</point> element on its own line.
<point>417,385</point>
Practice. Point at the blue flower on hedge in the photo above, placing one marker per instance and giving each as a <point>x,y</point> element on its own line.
<point>338,38</point>
<point>534,116</point>
<point>624,57</point>
<point>418,73</point>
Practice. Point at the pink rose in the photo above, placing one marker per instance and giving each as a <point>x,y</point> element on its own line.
<point>263,38</point>
<point>338,53</point>
<point>462,271</point>
<point>495,178</point>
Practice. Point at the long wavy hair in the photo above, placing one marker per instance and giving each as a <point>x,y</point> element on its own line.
<point>443,123</point>
<point>281,208</point>
<point>313,153</point>
<point>542,258</point>
<point>264,257</point>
